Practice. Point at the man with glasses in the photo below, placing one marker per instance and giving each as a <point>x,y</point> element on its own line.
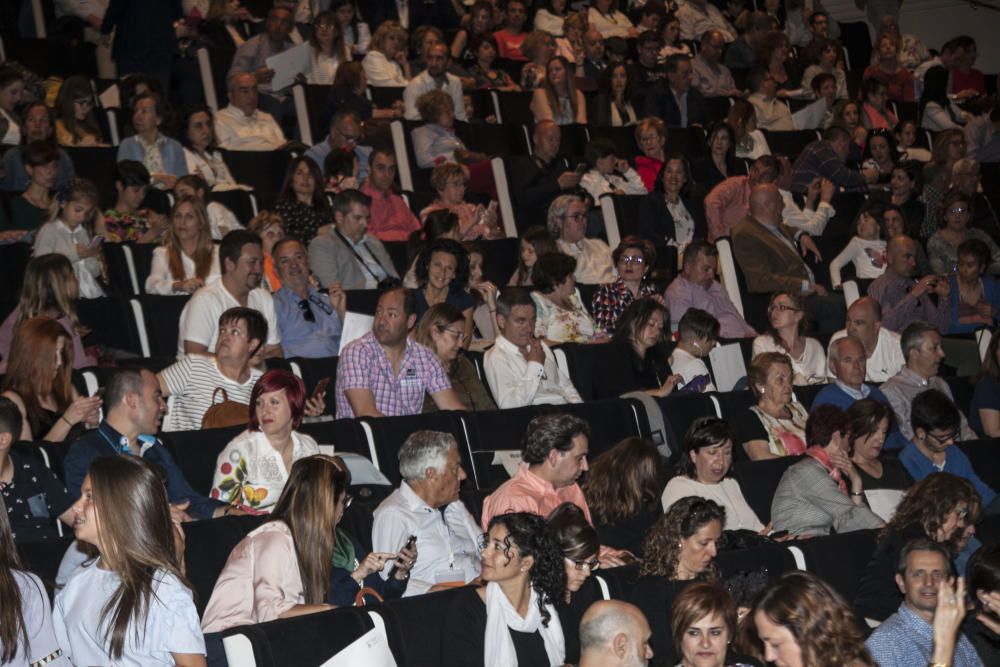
<point>345,135</point>
<point>921,345</point>
<point>310,321</point>
<point>426,506</point>
<point>567,222</point>
<point>903,298</point>
<point>936,425</point>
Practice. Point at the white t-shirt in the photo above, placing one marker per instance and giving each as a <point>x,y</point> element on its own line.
<point>689,367</point>
<point>727,493</point>
<point>171,623</point>
<point>37,614</point>
<point>200,318</point>
<point>887,358</point>
<point>191,382</point>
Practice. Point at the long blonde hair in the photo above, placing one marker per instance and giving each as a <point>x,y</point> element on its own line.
<point>44,290</point>
<point>203,251</point>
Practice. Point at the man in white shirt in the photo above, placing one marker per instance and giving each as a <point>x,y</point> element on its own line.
<point>882,349</point>
<point>241,258</point>
<point>426,506</point>
<point>435,77</point>
<point>520,369</point>
<point>241,126</point>
<point>711,77</point>
<point>699,16</point>
<point>567,222</point>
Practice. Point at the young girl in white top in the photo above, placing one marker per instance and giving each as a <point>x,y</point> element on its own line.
<point>67,235</point>
<point>130,606</point>
<point>866,250</point>
<point>608,173</point>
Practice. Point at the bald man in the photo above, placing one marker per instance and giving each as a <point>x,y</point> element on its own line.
<point>903,298</point>
<point>536,180</point>
<point>767,253</point>
<point>614,634</point>
<point>883,355</point>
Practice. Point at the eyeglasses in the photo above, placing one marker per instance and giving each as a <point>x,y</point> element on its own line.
<point>634,259</point>
<point>781,308</point>
<point>458,335</point>
<point>307,312</point>
<point>576,216</point>
<point>85,101</point>
<point>958,210</point>
<point>589,565</point>
<point>947,437</point>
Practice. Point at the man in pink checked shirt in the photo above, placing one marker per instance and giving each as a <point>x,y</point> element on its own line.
<point>553,459</point>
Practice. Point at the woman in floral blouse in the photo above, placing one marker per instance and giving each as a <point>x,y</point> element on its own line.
<point>252,470</point>
<point>634,258</point>
<point>562,317</point>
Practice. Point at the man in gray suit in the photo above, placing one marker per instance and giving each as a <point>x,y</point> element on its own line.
<point>347,257</point>
<point>770,254</point>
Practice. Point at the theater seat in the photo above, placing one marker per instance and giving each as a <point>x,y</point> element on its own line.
<point>389,433</point>
<point>679,412</point>
<point>162,316</point>
<point>315,370</point>
<point>839,559</point>
<point>415,626</point>
<point>207,546</point>
<point>42,557</point>
<point>196,452</point>
<point>735,409</point>
<point>759,480</point>
<point>983,455</point>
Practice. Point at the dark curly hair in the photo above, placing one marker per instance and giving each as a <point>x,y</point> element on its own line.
<point>662,548</point>
<point>551,270</point>
<point>928,503</point>
<point>551,431</point>
<point>453,248</point>
<point>530,535</point>
<point>822,624</point>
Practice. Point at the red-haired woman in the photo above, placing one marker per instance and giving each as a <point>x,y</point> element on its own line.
<point>253,468</point>
<point>38,381</point>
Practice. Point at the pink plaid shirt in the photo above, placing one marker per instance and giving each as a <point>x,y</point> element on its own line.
<point>365,365</point>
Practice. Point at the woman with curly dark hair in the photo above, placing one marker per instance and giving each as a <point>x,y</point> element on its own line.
<point>442,272</point>
<point>511,620</point>
<point>622,488</point>
<point>941,507</point>
<point>679,550</point>
<point>801,620</point>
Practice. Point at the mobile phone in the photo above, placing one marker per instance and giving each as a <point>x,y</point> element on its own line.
<point>697,384</point>
<point>582,168</point>
<point>778,534</point>
<point>320,387</point>
<point>410,541</point>
<point>96,241</point>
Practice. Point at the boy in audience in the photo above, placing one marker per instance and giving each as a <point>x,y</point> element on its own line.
<point>698,332</point>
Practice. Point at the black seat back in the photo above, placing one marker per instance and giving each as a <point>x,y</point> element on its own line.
<point>207,546</point>
<point>759,480</point>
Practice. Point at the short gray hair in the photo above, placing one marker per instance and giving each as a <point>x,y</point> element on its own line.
<point>913,336</point>
<point>423,450</point>
<point>557,213</point>
<point>835,346</point>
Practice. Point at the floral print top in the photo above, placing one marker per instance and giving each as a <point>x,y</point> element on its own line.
<point>249,473</point>
<point>561,325</point>
<point>611,299</point>
<point>121,227</point>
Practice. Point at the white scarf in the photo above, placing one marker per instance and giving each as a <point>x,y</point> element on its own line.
<point>501,618</point>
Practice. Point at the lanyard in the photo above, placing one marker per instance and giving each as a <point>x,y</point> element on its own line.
<point>364,264</point>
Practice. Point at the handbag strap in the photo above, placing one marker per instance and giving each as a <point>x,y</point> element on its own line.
<point>359,599</point>
<point>225,396</point>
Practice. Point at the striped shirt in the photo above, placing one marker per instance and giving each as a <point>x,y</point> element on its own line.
<point>191,382</point>
<point>365,365</point>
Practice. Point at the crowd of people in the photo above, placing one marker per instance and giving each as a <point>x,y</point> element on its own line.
<point>854,397</point>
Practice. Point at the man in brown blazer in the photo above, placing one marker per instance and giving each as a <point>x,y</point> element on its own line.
<point>767,253</point>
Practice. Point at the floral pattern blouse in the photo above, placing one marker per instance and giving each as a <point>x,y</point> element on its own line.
<point>561,325</point>
<point>249,473</point>
<point>611,300</point>
<point>301,221</point>
<point>121,227</point>
<point>785,437</point>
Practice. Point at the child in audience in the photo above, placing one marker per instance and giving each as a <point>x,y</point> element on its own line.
<point>535,241</point>
<point>698,332</point>
<point>866,249</point>
<point>127,220</point>
<point>67,235</point>
<point>131,605</point>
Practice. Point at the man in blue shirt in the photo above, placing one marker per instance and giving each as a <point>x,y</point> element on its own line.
<point>937,425</point>
<point>310,321</point>
<point>847,362</point>
<point>912,636</point>
<point>345,135</point>
<point>134,407</point>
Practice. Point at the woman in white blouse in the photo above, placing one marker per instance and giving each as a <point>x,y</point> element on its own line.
<point>561,315</point>
<point>327,49</point>
<point>253,468</point>
<point>604,15</point>
<point>356,34</point>
<point>786,313</point>
<point>550,17</point>
<point>187,260</point>
<point>609,174</point>
<point>703,471</point>
<point>200,153</point>
<point>11,91</point>
<point>386,63</point>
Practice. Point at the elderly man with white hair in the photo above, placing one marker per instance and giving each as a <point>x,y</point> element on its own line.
<point>567,222</point>
<point>426,506</point>
<point>614,634</point>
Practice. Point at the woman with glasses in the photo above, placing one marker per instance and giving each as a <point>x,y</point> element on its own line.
<point>442,272</point>
<point>580,545</point>
<point>940,507</point>
<point>253,468</point>
<point>942,247</point>
<point>786,314</point>
<point>200,149</point>
<point>328,49</point>
<point>679,551</point>
<point>76,124</point>
<point>651,138</point>
<point>634,258</point>
<point>512,620</point>
<point>442,330</point>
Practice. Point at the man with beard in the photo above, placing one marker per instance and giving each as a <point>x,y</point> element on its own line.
<point>925,629</point>
<point>385,372</point>
<point>241,257</point>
